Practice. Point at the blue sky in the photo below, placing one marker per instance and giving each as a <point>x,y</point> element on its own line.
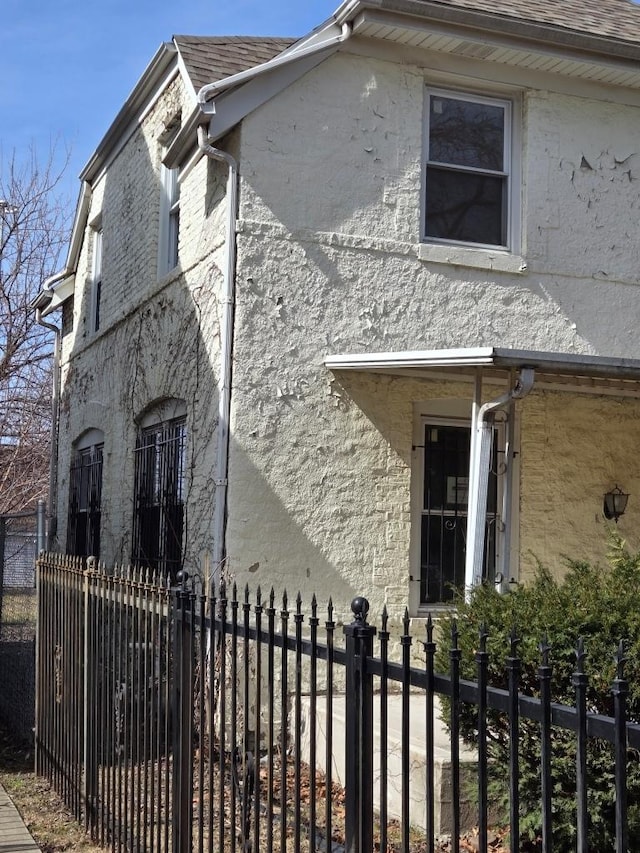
<point>66,66</point>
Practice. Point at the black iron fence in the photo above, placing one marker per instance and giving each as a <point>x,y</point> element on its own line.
<point>172,720</point>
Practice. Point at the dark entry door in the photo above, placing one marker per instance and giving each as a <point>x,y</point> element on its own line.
<point>445,504</point>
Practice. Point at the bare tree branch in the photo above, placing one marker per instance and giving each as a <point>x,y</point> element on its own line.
<point>33,234</point>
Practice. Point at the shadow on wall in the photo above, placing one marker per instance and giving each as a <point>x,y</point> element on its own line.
<point>156,339</point>
<point>286,545</point>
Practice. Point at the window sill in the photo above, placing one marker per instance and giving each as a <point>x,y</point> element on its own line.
<point>479,259</point>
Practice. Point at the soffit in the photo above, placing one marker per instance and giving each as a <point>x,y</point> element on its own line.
<point>560,371</point>
<point>465,39</point>
<point>617,20</point>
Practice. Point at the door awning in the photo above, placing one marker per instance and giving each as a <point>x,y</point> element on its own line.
<point>564,371</point>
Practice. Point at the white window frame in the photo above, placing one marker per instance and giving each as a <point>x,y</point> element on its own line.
<point>96,277</point>
<point>511,169</point>
<point>169,237</point>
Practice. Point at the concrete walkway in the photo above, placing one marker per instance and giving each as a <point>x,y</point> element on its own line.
<point>14,835</point>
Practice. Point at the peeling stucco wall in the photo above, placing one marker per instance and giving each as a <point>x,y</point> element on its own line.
<point>330,261</point>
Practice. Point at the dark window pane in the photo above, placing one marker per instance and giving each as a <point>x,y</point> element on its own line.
<point>444,515</point>
<point>85,496</point>
<point>446,468</point>
<point>96,317</point>
<point>465,133</point>
<point>158,520</point>
<point>466,207</point>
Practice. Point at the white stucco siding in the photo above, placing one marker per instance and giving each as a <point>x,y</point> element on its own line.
<point>344,140</point>
<point>329,262</point>
<point>574,448</point>
<point>582,208</point>
<point>337,158</point>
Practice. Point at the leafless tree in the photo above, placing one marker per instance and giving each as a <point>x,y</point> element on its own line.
<point>33,233</point>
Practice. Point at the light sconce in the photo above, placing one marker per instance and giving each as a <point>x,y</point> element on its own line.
<point>615,503</point>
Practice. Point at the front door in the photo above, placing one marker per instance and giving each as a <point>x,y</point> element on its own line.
<point>445,500</point>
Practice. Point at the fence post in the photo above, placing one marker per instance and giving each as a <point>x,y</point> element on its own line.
<point>91,676</point>
<point>620,690</point>
<point>359,731</point>
<point>41,527</point>
<point>181,695</point>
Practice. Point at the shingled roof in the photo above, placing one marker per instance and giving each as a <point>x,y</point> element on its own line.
<point>211,58</point>
<point>615,19</point>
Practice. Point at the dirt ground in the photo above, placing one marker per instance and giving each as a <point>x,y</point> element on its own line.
<point>45,815</point>
<point>55,830</point>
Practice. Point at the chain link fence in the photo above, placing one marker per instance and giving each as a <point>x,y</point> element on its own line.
<point>22,536</point>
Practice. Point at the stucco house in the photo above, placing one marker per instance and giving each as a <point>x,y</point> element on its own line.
<point>359,313</point>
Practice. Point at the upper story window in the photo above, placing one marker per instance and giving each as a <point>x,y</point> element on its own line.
<point>96,279</point>
<point>169,236</point>
<point>169,221</point>
<point>468,171</point>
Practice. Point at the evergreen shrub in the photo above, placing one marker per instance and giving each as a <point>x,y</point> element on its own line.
<point>599,604</point>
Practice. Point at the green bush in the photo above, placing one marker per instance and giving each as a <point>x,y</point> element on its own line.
<point>599,604</point>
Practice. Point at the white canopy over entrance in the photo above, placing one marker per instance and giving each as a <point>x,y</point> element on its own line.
<point>520,369</point>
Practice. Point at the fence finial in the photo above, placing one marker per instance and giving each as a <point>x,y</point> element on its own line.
<point>360,608</point>
<point>483,634</point>
<point>620,659</point>
<point>545,648</point>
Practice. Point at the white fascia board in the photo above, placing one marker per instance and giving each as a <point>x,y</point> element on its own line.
<point>372,20</point>
<point>549,363</point>
<point>151,84</point>
<point>79,226</point>
<point>412,358</point>
<point>231,107</point>
<point>61,286</point>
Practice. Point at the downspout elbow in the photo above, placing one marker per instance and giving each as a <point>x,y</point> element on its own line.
<point>522,386</point>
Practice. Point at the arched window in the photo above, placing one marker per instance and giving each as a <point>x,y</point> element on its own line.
<point>160,487</point>
<point>85,495</point>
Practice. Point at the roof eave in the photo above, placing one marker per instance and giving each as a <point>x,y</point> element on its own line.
<point>165,56</point>
<point>495,23</point>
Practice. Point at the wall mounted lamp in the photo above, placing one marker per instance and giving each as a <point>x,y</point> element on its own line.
<point>615,503</point>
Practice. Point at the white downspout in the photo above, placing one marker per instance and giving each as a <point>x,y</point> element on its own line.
<point>52,507</point>
<point>481,443</point>
<point>206,94</point>
<point>226,355</point>
<point>209,91</point>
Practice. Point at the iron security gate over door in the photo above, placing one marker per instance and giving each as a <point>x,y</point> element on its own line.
<point>445,503</point>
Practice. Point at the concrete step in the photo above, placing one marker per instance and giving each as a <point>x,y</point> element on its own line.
<point>443,805</point>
